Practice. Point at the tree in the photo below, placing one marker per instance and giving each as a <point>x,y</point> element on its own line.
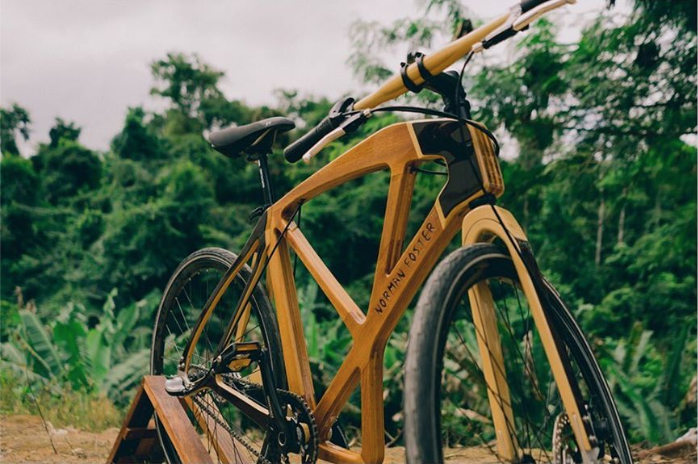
<point>62,130</point>
<point>136,140</point>
<point>13,120</point>
<point>71,169</point>
<point>185,81</point>
<point>191,86</point>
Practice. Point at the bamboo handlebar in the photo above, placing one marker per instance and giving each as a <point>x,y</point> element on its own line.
<point>435,63</point>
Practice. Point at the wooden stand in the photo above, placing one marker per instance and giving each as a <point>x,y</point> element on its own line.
<point>138,441</point>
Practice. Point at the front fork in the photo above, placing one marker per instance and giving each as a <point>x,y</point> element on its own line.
<point>483,224</point>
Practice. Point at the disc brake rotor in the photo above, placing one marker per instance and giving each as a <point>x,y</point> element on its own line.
<point>564,444</point>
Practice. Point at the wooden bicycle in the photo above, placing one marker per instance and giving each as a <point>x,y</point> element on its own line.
<point>240,362</point>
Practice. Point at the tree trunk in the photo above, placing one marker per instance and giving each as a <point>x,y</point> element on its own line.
<point>599,230</point>
<point>657,211</point>
<point>525,213</point>
<point>621,218</point>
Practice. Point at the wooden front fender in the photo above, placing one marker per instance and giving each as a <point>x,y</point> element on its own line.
<point>483,225</point>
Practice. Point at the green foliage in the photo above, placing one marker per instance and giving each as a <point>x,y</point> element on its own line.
<point>66,131</point>
<point>185,81</point>
<point>13,120</point>
<point>647,389</point>
<point>604,184</point>
<point>108,355</point>
<point>137,141</point>
<point>196,102</point>
<point>20,181</point>
<point>62,407</point>
<point>70,169</point>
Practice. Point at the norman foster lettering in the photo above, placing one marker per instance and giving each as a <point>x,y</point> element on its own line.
<point>407,265</point>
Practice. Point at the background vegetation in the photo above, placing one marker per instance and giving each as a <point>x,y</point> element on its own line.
<point>604,181</point>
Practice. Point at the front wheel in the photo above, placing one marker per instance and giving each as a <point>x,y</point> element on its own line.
<point>450,404</point>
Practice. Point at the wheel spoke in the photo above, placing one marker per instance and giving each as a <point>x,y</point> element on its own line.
<point>466,393</point>
<point>509,349</point>
<point>218,421</point>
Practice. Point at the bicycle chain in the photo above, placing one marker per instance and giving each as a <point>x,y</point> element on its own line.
<point>232,433</point>
<point>308,449</point>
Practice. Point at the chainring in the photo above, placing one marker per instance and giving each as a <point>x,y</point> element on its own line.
<point>305,426</point>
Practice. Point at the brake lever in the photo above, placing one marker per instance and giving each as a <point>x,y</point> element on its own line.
<point>502,32</point>
<point>516,22</point>
<point>527,18</point>
<point>322,143</point>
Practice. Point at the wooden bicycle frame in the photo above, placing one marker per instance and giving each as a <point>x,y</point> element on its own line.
<point>400,271</point>
<point>398,275</point>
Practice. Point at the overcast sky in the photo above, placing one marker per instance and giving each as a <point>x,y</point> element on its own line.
<point>88,60</point>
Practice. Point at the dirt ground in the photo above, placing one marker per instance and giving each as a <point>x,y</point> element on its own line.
<point>24,439</point>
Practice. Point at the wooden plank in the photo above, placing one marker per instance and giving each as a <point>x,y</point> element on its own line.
<point>138,441</point>
<point>139,433</point>
<point>138,415</point>
<point>144,450</point>
<point>174,419</point>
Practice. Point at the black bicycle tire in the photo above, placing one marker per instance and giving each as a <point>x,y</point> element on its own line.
<point>425,347</point>
<point>224,259</point>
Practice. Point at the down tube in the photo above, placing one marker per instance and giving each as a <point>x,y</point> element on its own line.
<point>383,314</point>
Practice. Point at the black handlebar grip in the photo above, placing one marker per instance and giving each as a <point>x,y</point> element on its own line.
<point>528,5</point>
<point>297,149</point>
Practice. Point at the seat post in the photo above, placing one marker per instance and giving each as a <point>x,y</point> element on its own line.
<point>264,176</point>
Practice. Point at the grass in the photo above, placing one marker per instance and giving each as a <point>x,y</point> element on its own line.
<point>62,406</point>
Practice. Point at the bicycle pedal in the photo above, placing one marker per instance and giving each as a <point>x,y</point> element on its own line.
<point>175,386</point>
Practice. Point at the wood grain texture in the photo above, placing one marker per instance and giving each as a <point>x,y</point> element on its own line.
<point>401,268</point>
<point>400,271</point>
<point>490,349</point>
<point>435,63</point>
<point>174,419</point>
<point>483,225</point>
<point>151,398</point>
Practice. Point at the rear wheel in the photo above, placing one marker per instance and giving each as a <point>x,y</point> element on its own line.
<point>448,402</point>
<point>227,434</point>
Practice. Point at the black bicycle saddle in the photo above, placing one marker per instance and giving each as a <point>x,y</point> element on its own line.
<point>250,139</point>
